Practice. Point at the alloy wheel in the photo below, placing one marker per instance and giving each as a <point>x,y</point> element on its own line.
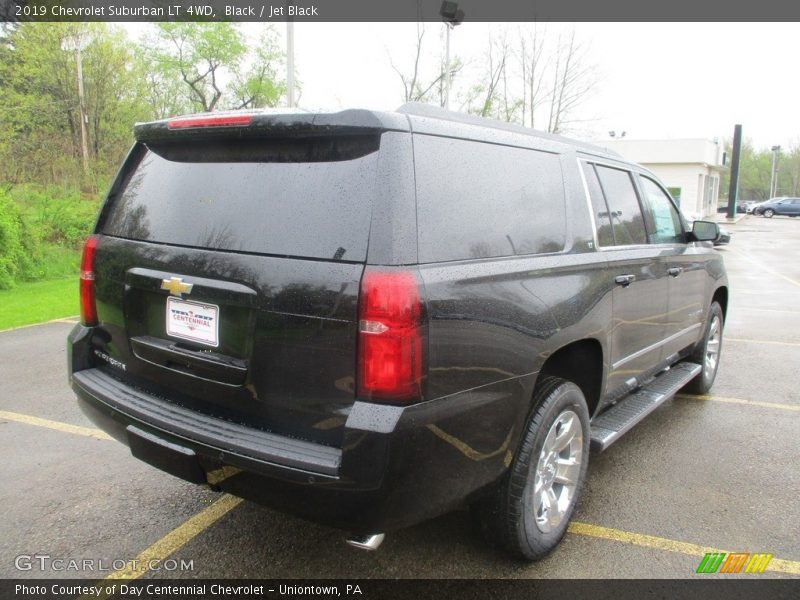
<point>558,471</point>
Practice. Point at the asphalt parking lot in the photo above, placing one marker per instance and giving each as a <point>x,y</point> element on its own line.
<point>716,473</point>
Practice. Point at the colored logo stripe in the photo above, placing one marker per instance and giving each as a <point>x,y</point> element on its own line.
<point>757,563</point>
<point>711,562</point>
<point>734,562</point>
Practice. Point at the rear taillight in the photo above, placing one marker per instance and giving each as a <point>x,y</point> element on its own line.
<point>390,358</point>
<point>210,121</point>
<point>88,307</point>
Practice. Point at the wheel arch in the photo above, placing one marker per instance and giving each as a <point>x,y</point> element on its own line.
<point>721,296</point>
<point>580,362</point>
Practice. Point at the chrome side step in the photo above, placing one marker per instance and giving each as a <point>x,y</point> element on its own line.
<point>609,426</point>
<point>367,542</point>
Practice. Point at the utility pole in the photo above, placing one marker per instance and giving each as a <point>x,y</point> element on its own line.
<point>451,16</point>
<point>82,106</point>
<point>733,190</point>
<point>447,81</point>
<point>290,62</point>
<point>773,184</point>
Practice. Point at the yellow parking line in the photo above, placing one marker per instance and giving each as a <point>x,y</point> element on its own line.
<point>658,543</point>
<point>168,545</point>
<point>56,425</point>
<point>746,341</point>
<point>778,405</point>
<point>176,539</point>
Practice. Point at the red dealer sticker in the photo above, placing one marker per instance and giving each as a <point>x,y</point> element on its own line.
<point>193,321</point>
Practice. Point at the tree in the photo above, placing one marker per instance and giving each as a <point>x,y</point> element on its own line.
<point>114,95</point>
<point>418,88</point>
<point>527,78</point>
<point>201,57</point>
<point>39,114</point>
<point>488,98</point>
<point>755,172</point>
<point>532,65</point>
<point>573,80</point>
<point>197,53</point>
<point>259,86</point>
<point>789,172</point>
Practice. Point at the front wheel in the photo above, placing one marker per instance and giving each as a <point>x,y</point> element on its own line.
<point>708,352</point>
<point>769,213</point>
<point>529,512</point>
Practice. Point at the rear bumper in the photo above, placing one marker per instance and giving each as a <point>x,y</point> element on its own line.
<point>397,465</point>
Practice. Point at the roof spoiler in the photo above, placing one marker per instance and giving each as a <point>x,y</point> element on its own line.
<point>245,124</point>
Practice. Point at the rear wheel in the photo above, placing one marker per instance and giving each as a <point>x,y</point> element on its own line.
<point>769,213</point>
<point>529,512</point>
<point>708,352</point>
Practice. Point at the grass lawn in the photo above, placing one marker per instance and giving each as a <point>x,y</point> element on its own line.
<point>39,301</point>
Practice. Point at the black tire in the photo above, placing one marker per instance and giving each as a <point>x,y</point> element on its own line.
<point>704,352</point>
<point>509,515</point>
<point>768,213</point>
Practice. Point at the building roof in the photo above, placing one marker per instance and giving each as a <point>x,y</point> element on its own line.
<point>704,152</point>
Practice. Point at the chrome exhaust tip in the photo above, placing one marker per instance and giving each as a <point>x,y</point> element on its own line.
<point>367,542</point>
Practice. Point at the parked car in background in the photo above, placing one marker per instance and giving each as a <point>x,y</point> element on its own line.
<point>749,205</point>
<point>723,208</point>
<point>778,206</point>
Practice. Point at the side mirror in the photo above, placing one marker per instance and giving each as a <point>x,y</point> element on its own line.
<point>705,231</point>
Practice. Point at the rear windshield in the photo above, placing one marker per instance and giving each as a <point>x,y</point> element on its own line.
<point>308,198</point>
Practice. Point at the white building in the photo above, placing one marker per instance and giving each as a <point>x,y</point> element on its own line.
<point>689,168</point>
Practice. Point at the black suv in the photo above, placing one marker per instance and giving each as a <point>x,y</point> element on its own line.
<point>369,318</point>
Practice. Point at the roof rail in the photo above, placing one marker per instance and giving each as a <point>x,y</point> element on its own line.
<point>420,109</point>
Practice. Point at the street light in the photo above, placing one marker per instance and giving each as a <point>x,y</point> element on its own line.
<point>451,16</point>
<point>773,184</point>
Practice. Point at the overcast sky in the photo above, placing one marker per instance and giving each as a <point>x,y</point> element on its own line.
<point>655,80</point>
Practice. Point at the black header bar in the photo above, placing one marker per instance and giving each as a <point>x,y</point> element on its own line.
<point>333,11</point>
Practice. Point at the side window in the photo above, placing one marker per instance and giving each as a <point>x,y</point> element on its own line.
<point>623,204</point>
<point>602,216</point>
<point>481,200</point>
<point>666,223</point>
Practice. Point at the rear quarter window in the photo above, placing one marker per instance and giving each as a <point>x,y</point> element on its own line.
<point>479,200</point>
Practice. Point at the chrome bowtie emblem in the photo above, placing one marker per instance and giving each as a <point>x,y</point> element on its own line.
<point>176,287</point>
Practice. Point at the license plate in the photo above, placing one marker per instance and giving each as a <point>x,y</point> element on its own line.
<point>193,321</point>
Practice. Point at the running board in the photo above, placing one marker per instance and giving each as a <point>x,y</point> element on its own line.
<point>609,426</point>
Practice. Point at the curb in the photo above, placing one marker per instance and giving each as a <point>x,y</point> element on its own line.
<point>71,319</point>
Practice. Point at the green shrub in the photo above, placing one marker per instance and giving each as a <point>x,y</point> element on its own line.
<point>41,232</point>
<point>59,216</point>
<point>12,251</point>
